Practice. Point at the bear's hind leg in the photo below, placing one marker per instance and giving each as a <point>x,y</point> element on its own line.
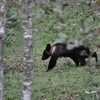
<point>82,61</point>
<point>75,60</point>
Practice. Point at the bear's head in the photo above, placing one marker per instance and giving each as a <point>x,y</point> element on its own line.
<point>46,52</point>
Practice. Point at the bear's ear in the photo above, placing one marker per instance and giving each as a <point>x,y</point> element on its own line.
<point>48,47</point>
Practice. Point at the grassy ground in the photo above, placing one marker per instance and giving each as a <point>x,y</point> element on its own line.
<point>65,81</point>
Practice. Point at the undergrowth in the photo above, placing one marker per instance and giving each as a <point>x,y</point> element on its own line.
<point>65,81</point>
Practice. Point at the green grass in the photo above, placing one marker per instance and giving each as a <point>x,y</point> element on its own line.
<point>12,85</point>
<point>64,82</point>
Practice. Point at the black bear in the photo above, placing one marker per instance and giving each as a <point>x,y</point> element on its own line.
<point>76,53</point>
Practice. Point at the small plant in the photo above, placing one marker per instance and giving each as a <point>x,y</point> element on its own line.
<point>89,95</point>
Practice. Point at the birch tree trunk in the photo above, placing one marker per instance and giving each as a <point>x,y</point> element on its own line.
<point>28,49</point>
<point>2,33</point>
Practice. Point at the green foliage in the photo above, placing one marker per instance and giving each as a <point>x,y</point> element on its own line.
<point>13,18</point>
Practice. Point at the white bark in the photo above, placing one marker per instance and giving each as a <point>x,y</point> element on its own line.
<point>28,49</point>
<point>2,33</point>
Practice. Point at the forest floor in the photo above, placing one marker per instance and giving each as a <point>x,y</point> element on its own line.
<point>65,81</point>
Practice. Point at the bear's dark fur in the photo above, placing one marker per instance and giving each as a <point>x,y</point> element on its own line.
<point>60,50</point>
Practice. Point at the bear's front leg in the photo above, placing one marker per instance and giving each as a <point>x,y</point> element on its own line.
<point>52,63</point>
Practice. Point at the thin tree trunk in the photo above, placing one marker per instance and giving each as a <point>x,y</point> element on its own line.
<point>2,33</point>
<point>28,49</point>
